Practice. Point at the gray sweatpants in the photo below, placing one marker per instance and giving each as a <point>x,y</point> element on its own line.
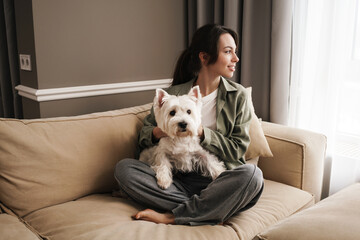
<point>193,199</point>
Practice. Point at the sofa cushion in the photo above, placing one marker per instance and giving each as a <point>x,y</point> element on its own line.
<point>277,202</point>
<point>258,143</point>
<point>336,217</point>
<point>50,161</point>
<point>12,228</point>
<point>105,217</point>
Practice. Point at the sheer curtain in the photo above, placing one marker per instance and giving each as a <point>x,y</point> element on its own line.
<point>325,83</point>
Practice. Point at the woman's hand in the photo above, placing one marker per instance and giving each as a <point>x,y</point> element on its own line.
<point>201,132</point>
<point>157,134</point>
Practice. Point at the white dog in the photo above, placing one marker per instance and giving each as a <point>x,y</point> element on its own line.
<point>180,118</point>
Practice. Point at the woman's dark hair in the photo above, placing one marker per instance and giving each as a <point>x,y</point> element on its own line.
<point>205,39</point>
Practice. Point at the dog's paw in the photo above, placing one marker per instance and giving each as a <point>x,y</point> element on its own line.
<point>216,169</point>
<point>209,165</point>
<point>164,182</point>
<point>163,173</point>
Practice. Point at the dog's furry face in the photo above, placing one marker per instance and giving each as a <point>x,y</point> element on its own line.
<point>178,116</point>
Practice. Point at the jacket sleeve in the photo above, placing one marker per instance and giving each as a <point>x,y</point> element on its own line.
<point>231,140</point>
<point>145,136</point>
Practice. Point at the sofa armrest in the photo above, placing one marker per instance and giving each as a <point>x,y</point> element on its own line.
<point>298,157</point>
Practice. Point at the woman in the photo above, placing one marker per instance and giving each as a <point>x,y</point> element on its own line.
<point>193,199</point>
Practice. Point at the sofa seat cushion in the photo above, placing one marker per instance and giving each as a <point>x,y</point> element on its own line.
<point>336,217</point>
<point>12,228</point>
<point>101,216</point>
<point>277,202</point>
<point>106,217</point>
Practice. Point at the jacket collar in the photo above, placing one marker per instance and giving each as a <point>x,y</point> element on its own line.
<point>224,88</point>
<point>228,87</point>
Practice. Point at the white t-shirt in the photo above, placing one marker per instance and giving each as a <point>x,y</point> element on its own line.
<point>208,111</point>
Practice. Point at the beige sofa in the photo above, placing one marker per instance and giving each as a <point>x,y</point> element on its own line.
<point>336,217</point>
<point>56,180</point>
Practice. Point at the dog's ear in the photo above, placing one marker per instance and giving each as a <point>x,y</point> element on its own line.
<point>160,97</point>
<point>195,93</point>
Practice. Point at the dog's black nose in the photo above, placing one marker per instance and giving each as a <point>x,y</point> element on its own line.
<point>182,125</point>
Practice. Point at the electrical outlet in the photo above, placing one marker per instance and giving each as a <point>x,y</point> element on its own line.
<point>25,62</point>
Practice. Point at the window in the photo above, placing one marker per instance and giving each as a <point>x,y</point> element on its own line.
<point>325,81</point>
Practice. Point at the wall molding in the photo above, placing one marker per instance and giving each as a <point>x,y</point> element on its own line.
<point>52,94</point>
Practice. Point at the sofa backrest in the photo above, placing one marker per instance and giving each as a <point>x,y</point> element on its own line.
<point>45,162</point>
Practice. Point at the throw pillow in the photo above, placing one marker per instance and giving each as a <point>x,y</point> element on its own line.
<point>258,143</point>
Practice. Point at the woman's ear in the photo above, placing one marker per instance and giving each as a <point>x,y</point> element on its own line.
<point>204,58</point>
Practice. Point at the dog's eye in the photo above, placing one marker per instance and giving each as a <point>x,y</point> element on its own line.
<point>172,113</point>
<point>188,111</point>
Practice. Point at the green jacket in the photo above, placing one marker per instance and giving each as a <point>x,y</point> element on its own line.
<point>231,138</point>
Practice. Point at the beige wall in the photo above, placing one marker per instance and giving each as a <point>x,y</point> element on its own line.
<point>89,42</point>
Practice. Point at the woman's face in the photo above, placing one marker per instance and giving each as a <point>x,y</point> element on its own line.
<point>227,58</point>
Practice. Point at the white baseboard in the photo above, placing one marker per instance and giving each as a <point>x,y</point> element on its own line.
<point>51,94</point>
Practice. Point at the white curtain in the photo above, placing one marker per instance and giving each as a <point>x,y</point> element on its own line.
<point>325,82</point>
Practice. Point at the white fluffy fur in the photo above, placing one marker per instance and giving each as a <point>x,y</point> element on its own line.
<point>180,151</point>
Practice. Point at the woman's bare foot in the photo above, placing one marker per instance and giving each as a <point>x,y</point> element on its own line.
<point>156,217</point>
